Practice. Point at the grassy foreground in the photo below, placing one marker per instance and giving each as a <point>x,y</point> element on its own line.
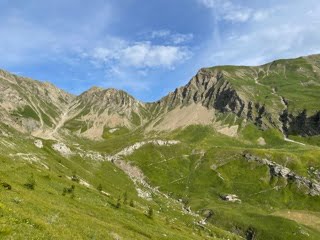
<point>45,195</point>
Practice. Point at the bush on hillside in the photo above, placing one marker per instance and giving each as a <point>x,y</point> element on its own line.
<point>100,188</point>
<point>6,186</point>
<point>68,191</point>
<point>75,177</point>
<point>150,212</point>
<point>31,183</point>
<point>125,198</point>
<point>132,203</point>
<point>118,205</point>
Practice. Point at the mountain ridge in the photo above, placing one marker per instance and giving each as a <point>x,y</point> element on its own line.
<point>261,94</point>
<point>309,57</point>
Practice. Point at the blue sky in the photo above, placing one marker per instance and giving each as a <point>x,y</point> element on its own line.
<point>149,47</point>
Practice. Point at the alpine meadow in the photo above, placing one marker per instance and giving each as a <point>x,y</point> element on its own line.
<point>234,153</point>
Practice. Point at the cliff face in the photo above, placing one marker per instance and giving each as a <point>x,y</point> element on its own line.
<point>210,89</point>
<point>301,124</point>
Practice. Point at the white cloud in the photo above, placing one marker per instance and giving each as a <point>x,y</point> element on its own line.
<point>102,54</point>
<point>238,16</point>
<point>142,55</point>
<point>148,55</point>
<point>265,44</point>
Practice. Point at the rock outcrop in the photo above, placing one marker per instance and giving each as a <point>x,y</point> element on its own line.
<point>231,198</point>
<point>129,150</point>
<point>301,123</point>
<point>62,148</point>
<point>277,170</point>
<point>212,92</point>
<point>38,143</point>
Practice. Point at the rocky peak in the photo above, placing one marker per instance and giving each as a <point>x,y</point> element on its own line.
<point>29,105</point>
<point>200,88</point>
<point>208,88</point>
<point>108,97</point>
<point>98,108</point>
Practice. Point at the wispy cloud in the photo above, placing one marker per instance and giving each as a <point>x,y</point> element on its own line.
<point>160,33</point>
<point>233,12</point>
<point>28,39</point>
<point>181,38</point>
<point>172,37</point>
<point>263,32</point>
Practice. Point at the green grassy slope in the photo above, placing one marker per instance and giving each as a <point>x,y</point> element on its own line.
<point>197,172</point>
<point>50,212</point>
<point>296,80</point>
<point>207,165</point>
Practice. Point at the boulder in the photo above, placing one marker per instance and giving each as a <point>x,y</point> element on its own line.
<point>62,149</point>
<point>38,143</point>
<point>230,198</point>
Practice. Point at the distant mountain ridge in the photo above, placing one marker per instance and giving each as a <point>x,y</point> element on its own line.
<point>282,94</point>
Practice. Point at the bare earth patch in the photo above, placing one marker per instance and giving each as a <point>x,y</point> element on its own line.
<point>261,141</point>
<point>310,219</point>
<point>229,131</point>
<point>182,117</point>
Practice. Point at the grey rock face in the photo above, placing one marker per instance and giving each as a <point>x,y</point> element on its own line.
<point>301,123</point>
<point>278,170</point>
<point>313,172</point>
<point>207,88</point>
<point>213,90</point>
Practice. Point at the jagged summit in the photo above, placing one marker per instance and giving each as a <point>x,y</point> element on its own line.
<point>93,90</point>
<point>108,95</point>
